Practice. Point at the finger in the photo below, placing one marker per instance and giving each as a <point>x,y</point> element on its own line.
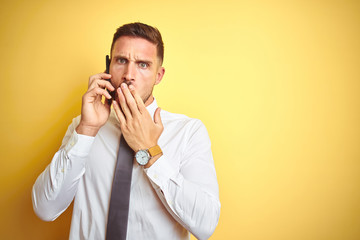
<point>139,102</point>
<point>99,76</point>
<point>123,104</point>
<point>130,99</point>
<point>102,84</point>
<point>98,92</point>
<point>157,117</point>
<point>118,112</point>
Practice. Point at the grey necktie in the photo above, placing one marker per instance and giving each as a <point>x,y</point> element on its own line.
<point>120,194</point>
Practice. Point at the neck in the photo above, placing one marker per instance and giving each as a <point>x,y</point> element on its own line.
<point>149,100</point>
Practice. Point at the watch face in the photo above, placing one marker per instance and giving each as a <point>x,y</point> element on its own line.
<point>142,157</point>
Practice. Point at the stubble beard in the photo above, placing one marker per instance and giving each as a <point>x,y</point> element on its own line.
<point>146,98</point>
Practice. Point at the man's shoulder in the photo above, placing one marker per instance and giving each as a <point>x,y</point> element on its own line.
<point>170,116</point>
<point>179,119</point>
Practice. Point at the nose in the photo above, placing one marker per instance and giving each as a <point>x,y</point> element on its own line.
<point>129,73</point>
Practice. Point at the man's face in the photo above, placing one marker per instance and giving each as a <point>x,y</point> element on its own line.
<point>134,61</point>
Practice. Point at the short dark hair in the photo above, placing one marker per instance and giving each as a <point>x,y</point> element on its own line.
<point>144,31</point>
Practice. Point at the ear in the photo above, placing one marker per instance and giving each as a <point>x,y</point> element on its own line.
<point>159,75</point>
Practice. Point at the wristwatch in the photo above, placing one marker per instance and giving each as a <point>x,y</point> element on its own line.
<point>143,156</point>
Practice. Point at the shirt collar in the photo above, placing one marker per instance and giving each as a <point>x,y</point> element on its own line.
<point>152,107</point>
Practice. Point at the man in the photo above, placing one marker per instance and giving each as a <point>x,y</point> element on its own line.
<point>173,192</point>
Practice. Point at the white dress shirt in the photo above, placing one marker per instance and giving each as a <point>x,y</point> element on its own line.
<point>177,194</point>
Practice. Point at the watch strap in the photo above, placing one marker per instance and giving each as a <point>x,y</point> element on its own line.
<point>153,151</point>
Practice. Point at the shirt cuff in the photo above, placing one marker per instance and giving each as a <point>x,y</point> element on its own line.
<point>161,172</point>
<point>79,145</point>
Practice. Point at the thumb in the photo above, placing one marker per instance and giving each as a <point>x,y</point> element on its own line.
<point>157,117</point>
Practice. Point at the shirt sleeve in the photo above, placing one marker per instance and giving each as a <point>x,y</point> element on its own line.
<point>56,186</point>
<point>190,193</point>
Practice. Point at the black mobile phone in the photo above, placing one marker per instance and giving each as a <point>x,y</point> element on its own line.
<point>112,94</point>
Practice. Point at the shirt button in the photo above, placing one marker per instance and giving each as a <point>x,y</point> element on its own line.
<point>72,143</point>
<point>155,176</point>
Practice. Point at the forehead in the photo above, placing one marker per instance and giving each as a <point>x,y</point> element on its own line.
<point>134,47</point>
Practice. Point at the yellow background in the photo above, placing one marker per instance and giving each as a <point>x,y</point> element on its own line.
<point>277,83</point>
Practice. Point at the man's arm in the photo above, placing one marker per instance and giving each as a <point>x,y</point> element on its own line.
<point>190,193</point>
<point>56,187</point>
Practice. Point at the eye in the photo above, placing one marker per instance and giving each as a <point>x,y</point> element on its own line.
<point>121,60</point>
<point>143,65</point>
